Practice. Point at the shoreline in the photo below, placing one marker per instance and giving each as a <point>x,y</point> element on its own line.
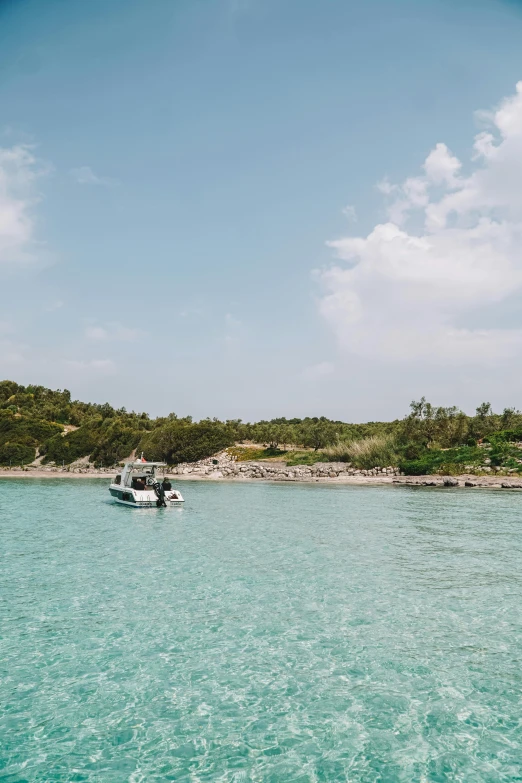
<point>464,480</point>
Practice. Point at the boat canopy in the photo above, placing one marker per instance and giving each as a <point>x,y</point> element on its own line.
<point>139,466</point>
<point>142,464</point>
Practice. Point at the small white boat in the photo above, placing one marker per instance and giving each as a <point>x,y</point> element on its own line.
<point>138,486</point>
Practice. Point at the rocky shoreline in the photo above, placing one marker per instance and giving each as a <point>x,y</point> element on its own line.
<point>224,468</point>
<point>331,472</point>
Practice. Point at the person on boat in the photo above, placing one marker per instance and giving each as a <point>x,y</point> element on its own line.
<point>139,483</point>
<point>167,486</point>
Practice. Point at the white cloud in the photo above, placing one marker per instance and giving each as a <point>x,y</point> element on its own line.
<point>442,167</point>
<point>349,212</point>
<point>84,175</point>
<point>406,294</point>
<point>385,187</point>
<point>113,331</point>
<point>96,333</point>
<point>19,170</point>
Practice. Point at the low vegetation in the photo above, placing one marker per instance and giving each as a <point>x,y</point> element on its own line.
<point>253,453</point>
<point>181,440</point>
<point>376,450</point>
<point>39,423</point>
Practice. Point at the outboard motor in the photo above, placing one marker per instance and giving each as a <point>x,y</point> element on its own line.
<point>160,494</point>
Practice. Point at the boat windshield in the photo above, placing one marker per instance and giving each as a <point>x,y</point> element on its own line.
<point>136,474</point>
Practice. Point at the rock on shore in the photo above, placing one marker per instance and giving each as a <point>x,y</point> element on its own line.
<point>223,466</point>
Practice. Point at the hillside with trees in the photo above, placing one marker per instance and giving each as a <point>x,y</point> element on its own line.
<point>46,425</point>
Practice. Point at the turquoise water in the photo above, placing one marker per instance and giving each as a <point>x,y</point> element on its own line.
<point>262,633</point>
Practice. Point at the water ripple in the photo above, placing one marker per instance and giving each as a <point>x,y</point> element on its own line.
<point>262,633</point>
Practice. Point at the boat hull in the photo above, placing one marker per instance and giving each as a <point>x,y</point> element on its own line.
<point>142,499</point>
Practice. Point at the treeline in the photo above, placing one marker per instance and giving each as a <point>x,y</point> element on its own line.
<point>438,427</point>
<point>437,439</point>
<point>36,421</point>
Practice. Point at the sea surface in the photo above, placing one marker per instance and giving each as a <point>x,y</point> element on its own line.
<point>264,632</point>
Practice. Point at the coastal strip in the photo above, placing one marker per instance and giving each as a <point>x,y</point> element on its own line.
<point>321,473</point>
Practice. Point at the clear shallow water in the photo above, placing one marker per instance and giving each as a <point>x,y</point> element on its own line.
<point>262,633</point>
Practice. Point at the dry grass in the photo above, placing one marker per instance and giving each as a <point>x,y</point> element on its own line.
<point>249,453</point>
<point>375,451</point>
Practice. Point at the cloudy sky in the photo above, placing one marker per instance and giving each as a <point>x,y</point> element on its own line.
<point>253,208</point>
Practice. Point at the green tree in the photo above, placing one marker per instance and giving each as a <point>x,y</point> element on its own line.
<point>484,422</point>
<point>510,418</point>
<point>318,434</point>
<point>16,453</point>
<point>180,441</point>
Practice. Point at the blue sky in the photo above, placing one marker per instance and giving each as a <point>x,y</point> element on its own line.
<point>173,172</point>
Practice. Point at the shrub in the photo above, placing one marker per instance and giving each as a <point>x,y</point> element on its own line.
<point>116,440</point>
<point>372,452</point>
<point>181,441</point>
<point>340,452</point>
<point>417,467</point>
<point>413,451</point>
<point>442,461</point>
<point>16,453</point>
<point>504,436</point>
<point>68,448</point>
<point>304,457</point>
<point>19,428</point>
